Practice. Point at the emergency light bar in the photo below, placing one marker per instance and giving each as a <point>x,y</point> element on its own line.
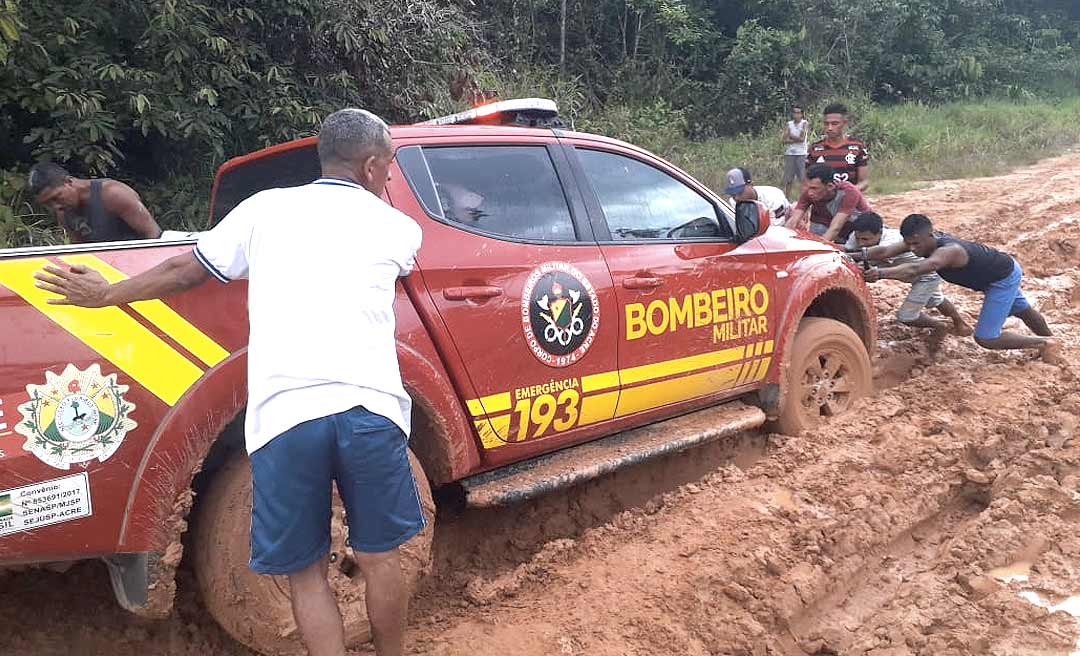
<point>533,112</point>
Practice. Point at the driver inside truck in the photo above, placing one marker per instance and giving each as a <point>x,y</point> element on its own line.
<point>460,204</point>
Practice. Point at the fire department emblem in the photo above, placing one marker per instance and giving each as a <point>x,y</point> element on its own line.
<point>560,313</point>
<point>75,417</point>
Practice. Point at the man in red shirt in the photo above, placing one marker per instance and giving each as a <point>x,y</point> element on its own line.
<point>832,205</point>
<point>846,156</point>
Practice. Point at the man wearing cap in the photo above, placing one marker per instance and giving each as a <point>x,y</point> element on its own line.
<point>739,185</point>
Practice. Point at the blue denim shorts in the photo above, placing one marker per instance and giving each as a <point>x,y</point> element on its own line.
<point>1003,299</point>
<point>366,455</point>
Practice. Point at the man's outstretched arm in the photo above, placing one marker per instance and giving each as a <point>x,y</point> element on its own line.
<point>879,252</point>
<point>942,258</point>
<point>85,287</point>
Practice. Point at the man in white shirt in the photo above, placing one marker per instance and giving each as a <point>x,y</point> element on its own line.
<point>739,185</point>
<point>795,137</point>
<point>325,397</point>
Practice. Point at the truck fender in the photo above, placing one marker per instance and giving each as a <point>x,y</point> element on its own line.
<point>441,434</point>
<point>823,286</point>
<point>156,513</point>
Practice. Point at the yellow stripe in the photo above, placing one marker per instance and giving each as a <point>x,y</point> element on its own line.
<point>111,332</point>
<point>598,407</point>
<point>744,371</point>
<point>164,317</point>
<point>612,379</point>
<point>597,382</point>
<point>747,372</point>
<point>488,437</point>
<point>682,365</point>
<point>753,372</point>
<point>489,405</point>
<point>602,407</point>
<point>764,368</point>
<point>654,395</point>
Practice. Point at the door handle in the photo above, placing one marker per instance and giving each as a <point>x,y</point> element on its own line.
<point>642,283</point>
<point>471,293</point>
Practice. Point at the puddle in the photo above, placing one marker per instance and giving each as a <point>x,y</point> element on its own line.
<point>1070,606</point>
<point>1018,571</point>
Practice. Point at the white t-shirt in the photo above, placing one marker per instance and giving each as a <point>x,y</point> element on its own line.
<point>793,130</point>
<point>322,262</point>
<point>777,202</point>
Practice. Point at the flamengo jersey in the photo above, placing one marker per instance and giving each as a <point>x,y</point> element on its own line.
<point>845,158</point>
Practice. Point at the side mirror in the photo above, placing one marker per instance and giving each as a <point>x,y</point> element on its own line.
<point>751,220</point>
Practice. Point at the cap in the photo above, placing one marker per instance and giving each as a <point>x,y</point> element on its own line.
<point>737,179</point>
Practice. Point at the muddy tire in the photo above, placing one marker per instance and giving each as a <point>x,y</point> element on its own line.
<point>829,369</point>
<point>255,609</point>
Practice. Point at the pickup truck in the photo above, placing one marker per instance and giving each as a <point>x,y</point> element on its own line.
<point>578,305</point>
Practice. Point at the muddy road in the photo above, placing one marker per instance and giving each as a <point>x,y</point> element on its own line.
<point>939,519</point>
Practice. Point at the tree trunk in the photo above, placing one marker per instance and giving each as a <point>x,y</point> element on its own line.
<point>637,36</point>
<point>625,13</point>
<point>562,42</point>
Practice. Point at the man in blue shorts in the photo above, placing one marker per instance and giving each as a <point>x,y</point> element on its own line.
<point>325,397</point>
<point>978,267</point>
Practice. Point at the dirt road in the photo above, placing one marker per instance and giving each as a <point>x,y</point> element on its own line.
<point>929,522</point>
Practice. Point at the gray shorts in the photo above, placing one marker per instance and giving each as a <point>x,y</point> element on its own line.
<point>794,168</point>
<point>925,293</point>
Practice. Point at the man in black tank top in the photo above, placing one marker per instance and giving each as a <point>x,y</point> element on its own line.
<point>978,267</point>
<point>91,210</point>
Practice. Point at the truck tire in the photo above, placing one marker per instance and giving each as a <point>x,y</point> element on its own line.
<point>255,609</point>
<point>829,369</point>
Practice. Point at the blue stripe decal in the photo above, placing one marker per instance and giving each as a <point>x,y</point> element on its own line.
<point>209,267</point>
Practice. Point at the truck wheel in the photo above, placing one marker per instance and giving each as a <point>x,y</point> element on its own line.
<point>255,609</point>
<point>829,369</point>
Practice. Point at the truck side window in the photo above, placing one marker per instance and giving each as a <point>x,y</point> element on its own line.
<point>505,191</point>
<point>641,202</point>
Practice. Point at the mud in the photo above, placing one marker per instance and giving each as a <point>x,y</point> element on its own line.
<point>939,518</point>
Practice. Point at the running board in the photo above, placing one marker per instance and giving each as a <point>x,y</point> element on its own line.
<point>532,478</point>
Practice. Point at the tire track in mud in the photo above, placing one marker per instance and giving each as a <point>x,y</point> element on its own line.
<point>821,626</point>
<point>878,534</point>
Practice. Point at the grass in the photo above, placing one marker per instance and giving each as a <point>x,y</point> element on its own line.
<point>909,144</point>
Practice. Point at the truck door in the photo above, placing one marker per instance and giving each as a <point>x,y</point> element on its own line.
<point>511,265</point>
<point>694,306</point>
